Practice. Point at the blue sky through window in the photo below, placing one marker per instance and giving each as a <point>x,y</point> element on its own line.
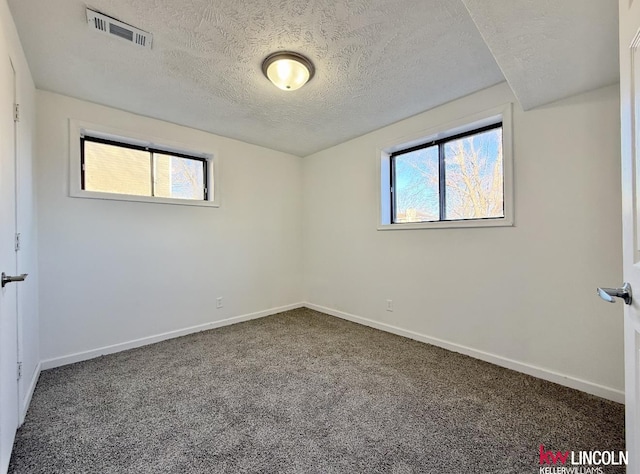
<point>474,180</point>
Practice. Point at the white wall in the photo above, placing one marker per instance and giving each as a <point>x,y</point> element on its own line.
<point>115,271</point>
<point>26,211</point>
<point>521,296</point>
<point>524,296</point>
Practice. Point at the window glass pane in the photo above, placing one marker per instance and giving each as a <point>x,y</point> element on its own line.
<point>180,178</point>
<point>474,179</point>
<point>114,169</point>
<point>417,192</point>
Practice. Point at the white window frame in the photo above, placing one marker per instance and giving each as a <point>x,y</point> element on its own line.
<point>502,114</point>
<point>78,129</point>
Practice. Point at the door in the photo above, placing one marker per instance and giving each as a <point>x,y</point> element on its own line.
<point>629,15</point>
<point>9,406</point>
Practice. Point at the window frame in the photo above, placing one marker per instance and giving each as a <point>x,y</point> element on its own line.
<point>152,151</point>
<point>81,131</point>
<point>442,175</point>
<point>460,128</point>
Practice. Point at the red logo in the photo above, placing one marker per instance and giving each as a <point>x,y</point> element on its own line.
<point>549,457</point>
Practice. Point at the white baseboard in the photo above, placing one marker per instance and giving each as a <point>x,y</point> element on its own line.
<point>123,346</point>
<point>535,371</point>
<point>539,372</point>
<point>29,394</point>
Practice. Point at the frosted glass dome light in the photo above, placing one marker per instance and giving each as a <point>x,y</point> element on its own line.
<point>288,71</point>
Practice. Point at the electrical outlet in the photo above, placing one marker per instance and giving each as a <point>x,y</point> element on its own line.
<point>390,305</point>
<point>219,302</point>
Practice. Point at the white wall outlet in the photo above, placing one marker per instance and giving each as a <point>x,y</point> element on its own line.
<point>219,302</point>
<point>390,305</point>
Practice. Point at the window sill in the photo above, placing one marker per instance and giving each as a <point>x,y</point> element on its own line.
<point>448,224</point>
<point>147,199</point>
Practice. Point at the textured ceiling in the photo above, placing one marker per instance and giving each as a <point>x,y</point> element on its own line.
<point>550,49</point>
<point>377,61</point>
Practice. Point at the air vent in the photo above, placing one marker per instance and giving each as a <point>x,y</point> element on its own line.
<point>112,27</point>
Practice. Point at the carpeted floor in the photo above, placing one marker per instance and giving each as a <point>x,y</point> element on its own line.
<point>302,392</point>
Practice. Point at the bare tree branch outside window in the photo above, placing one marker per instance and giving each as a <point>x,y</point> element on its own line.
<point>474,183</point>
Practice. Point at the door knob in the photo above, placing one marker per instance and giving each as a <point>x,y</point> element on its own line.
<point>610,294</point>
<point>10,279</point>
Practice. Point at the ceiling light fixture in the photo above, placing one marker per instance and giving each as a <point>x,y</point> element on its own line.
<point>287,70</point>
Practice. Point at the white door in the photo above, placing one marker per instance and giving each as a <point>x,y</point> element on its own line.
<point>629,14</point>
<point>8,294</point>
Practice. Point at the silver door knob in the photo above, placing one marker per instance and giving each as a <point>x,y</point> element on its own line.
<point>10,279</point>
<point>610,294</point>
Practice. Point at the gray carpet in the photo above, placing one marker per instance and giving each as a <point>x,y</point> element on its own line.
<point>302,392</point>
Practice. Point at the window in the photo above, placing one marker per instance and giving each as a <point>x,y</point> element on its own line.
<point>107,164</point>
<point>450,179</point>
<point>113,167</point>
<point>459,177</point>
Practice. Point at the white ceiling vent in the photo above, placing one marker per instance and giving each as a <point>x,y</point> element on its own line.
<point>110,26</point>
